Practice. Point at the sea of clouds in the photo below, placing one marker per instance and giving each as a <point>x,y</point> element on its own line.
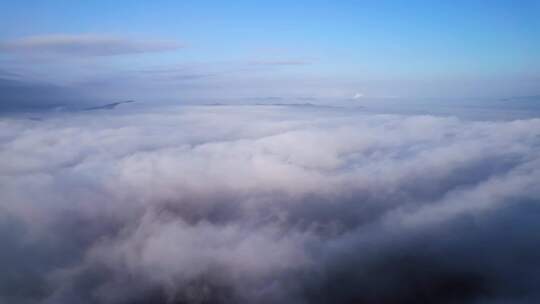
<point>268,204</point>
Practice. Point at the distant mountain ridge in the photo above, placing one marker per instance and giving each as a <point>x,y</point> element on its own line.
<point>108,106</point>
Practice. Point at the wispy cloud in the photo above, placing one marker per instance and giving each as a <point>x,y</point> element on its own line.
<point>281,62</point>
<point>85,45</point>
<point>176,73</point>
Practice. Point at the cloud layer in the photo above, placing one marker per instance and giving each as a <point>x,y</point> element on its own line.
<point>268,204</point>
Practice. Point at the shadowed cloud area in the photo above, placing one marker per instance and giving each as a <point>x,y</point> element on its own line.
<point>268,204</point>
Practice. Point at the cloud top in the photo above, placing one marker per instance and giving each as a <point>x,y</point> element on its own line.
<point>268,204</point>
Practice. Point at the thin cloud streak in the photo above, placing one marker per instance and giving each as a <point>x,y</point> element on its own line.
<point>281,62</point>
<point>85,45</point>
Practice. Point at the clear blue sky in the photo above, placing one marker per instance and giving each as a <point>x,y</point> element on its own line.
<point>276,48</point>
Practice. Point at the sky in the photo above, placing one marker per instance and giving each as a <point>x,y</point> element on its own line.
<point>296,152</point>
<point>216,51</point>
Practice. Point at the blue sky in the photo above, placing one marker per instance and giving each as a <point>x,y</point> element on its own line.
<point>183,50</point>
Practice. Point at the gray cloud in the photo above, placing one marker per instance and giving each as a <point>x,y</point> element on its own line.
<point>84,45</point>
<point>268,204</point>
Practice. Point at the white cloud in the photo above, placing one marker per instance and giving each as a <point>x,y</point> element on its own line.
<point>358,96</point>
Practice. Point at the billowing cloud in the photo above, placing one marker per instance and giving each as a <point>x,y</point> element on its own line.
<point>84,45</point>
<point>268,204</point>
